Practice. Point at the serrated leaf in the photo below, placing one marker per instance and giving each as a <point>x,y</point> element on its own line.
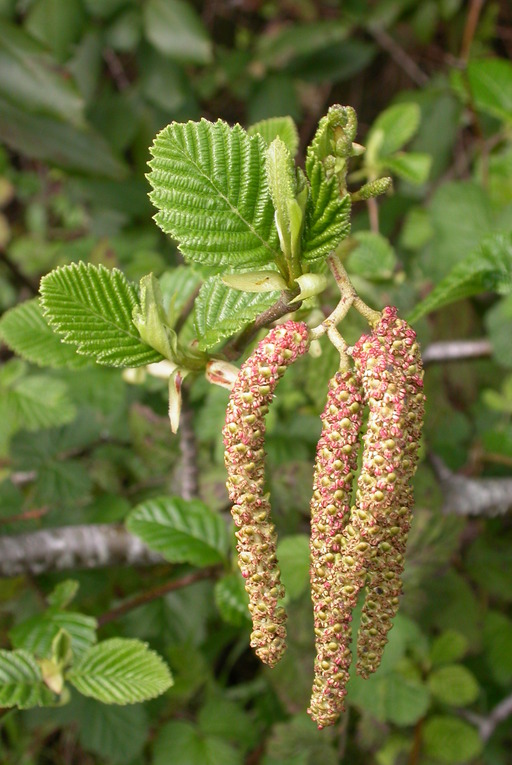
<point>25,330</point>
<point>183,531</point>
<point>413,166</point>
<point>91,307</point>
<point>490,81</point>
<point>373,258</point>
<point>454,685</point>
<point>37,633</point>
<point>487,269</point>
<point>21,681</point>
<point>232,600</point>
<point>450,740</point>
<point>221,311</point>
<point>327,220</point>
<point>209,185</point>
<point>120,671</point>
<point>277,127</point>
<point>393,128</point>
<point>293,557</point>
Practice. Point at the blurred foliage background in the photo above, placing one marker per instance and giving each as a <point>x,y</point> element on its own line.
<point>84,87</point>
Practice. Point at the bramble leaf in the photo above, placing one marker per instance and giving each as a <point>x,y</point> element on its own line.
<point>121,671</point>
<point>91,307</point>
<point>183,531</point>
<point>21,681</point>
<point>220,311</point>
<point>210,189</point>
<point>488,269</point>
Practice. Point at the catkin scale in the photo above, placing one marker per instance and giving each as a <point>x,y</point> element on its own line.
<point>389,362</point>
<point>244,433</point>
<point>333,601</point>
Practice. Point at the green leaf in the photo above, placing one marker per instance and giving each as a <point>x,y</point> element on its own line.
<point>221,311</point>
<point>406,699</point>
<point>454,685</point>
<point>120,671</point>
<point>450,740</point>
<point>151,321</point>
<point>37,633</point>
<point>498,321</point>
<point>63,593</point>
<point>392,129</point>
<point>56,23</point>
<point>278,127</point>
<point>209,184</point>
<point>115,733</point>
<point>293,557</point>
<point>178,287</point>
<point>180,743</point>
<point>25,330</point>
<point>374,258</point>
<point>36,402</point>
<point>413,166</point>
<point>489,269</point>
<point>176,30</point>
<point>490,81</point>
<point>448,647</point>
<point>327,213</point>
<point>91,307</point>
<point>232,600</point>
<point>183,531</point>
<point>32,81</point>
<point>21,681</point>
<point>498,646</point>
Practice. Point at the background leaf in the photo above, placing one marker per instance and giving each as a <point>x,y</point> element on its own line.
<point>393,128</point>
<point>209,184</point>
<point>175,29</point>
<point>181,530</point>
<point>451,740</point>
<point>277,127</point>
<point>91,307</point>
<point>454,685</point>
<point>232,600</point>
<point>490,81</point>
<point>373,257</point>
<point>119,671</point>
<point>293,557</point>
<point>182,744</point>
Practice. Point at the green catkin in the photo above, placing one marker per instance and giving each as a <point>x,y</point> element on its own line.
<point>389,362</point>
<point>244,434</point>
<point>332,595</point>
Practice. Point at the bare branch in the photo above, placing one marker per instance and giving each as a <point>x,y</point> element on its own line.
<point>487,724</point>
<point>456,350</point>
<point>472,496</point>
<point>72,547</point>
<point>399,56</point>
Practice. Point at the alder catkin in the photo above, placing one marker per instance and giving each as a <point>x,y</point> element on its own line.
<point>331,590</point>
<point>390,365</point>
<point>244,433</point>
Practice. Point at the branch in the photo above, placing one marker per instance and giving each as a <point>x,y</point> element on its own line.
<point>153,594</point>
<point>472,496</point>
<point>72,547</point>
<point>456,350</point>
<point>487,724</point>
<point>399,56</point>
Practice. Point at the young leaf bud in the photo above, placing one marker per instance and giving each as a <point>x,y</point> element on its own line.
<point>244,434</point>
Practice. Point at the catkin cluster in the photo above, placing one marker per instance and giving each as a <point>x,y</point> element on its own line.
<point>244,434</point>
<point>352,547</point>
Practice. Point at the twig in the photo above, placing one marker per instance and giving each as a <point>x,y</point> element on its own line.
<point>399,56</point>
<point>487,724</point>
<point>27,515</point>
<point>189,470</point>
<point>72,547</point>
<point>373,214</point>
<point>472,496</point>
<point>234,348</point>
<point>475,8</point>
<point>116,69</point>
<point>154,593</point>
<point>456,350</point>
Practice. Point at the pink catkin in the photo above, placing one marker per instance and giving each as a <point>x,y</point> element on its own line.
<point>244,433</point>
<point>389,362</point>
<point>331,590</point>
